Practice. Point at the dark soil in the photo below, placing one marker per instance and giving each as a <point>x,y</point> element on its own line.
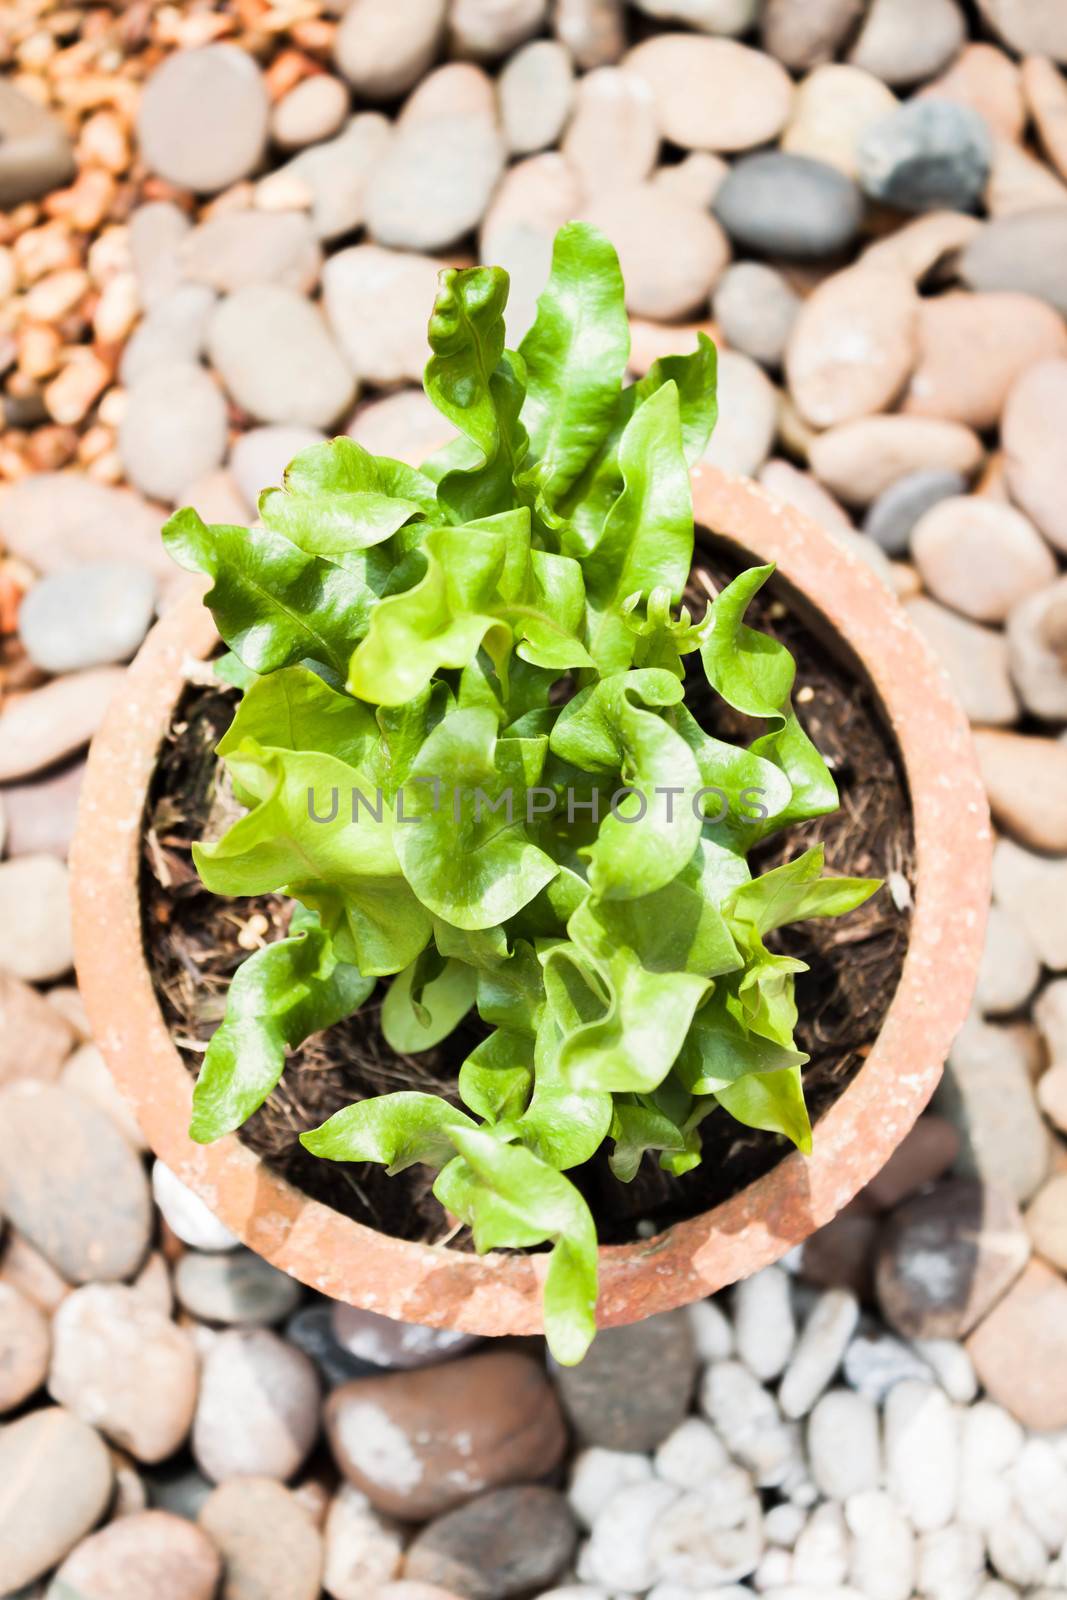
<point>195,941</point>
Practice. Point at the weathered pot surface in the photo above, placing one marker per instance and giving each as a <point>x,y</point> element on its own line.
<point>497,1293</point>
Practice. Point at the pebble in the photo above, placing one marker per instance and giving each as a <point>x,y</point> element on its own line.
<point>535,198</point>
<point>822,1343</point>
<point>923,1155</point>
<point>1039,1478</point>
<point>882,1562</point>
<point>713,94</point>
<point>237,1289</point>
<point>987,1093</point>
<point>975,658</point>
<point>356,284</point>
<point>86,1074</point>
<point>709,16</point>
<point>362,1550</point>
<point>973,348</point>
<point>1030,27</point>
<point>980,557</point>
<point>36,731</point>
<point>25,1269</point>
<point>1050,1014</point>
<point>235,248</point>
<point>1019,183</point>
<point>1016,1551</point>
<point>748,417</point>
<point>603,1404</point>
<point>174,331</point>
<point>217,498</point>
<point>509,1542</point>
<point>314,109</point>
<point>597,1474</point>
<point>853,345</point>
<point>776,203</point>
<point>1028,430</point>
<point>592,30</point>
<point>52,519</point>
<point>618,1554</point>
<point>712,1331</point>
<point>34,1039</point>
<point>37,154</point>
<point>173,429</point>
<point>186,1215</point>
<point>747,1418</point>
<point>800,489</point>
<point>844,1444</point>
<point>805,36</point>
<point>696,178</point>
<point>988,80</point>
<point>834,106</point>
<point>225,139</point>
<point>35,930</point>
<point>24,1347</point>
<point>951,1561</point>
<point>1026,780</point>
<point>820,1557</point>
<point>927,155</point>
<point>839,1254</point>
<point>764,1323</point>
<point>260,456</point>
<point>1031,889</point>
<point>381,54</point>
<point>155,231</point>
<point>876,1360</point>
<point>267,1541</point>
<point>87,616</point>
<point>755,308</point>
<point>310,1330</point>
<point>1036,651</point>
<point>276,357</point>
<point>486,32</point>
<point>148,1552</point>
<point>1046,1222</point>
<point>383,1342</point>
<point>57,1480</point>
<point>434,180</point>
<point>710,1536</point>
<point>612,137</point>
<point>418,1443</point>
<point>1026,253</point>
<point>671,254</point>
<point>905,41</point>
<point>1046,99</point>
<point>859,460</point>
<point>536,89</point>
<point>178,1487</point>
<point>690,1454</point>
<point>125,1368</point>
<point>334,175</point>
<point>406,425</point>
<point>258,1408</point>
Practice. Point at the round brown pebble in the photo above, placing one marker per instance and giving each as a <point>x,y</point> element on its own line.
<point>420,1442</point>
<point>149,1553</point>
<point>1020,1349</point>
<point>24,1346</point>
<point>508,1542</point>
<point>268,1543</point>
<point>923,1156</point>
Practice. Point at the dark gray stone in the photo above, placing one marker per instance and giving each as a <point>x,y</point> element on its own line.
<point>604,1403</point>
<point>930,155</point>
<point>892,516</point>
<point>35,153</point>
<point>311,1330</point>
<point>506,1543</point>
<point>781,204</point>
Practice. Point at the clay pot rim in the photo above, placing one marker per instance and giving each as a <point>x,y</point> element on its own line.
<point>500,1293</point>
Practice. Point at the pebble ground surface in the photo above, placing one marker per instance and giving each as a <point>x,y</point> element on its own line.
<point>865,202</point>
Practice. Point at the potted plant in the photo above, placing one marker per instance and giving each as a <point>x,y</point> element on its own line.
<point>514,842</point>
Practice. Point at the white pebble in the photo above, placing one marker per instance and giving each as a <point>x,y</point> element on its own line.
<point>1039,1479</point>
<point>598,1474</point>
<point>951,1563</point>
<point>763,1322</point>
<point>922,1452</point>
<point>990,1441</point>
<point>820,1556</point>
<point>844,1446</point>
<point>882,1564</point>
<point>783,1524</point>
<point>874,1362</point>
<point>691,1453</point>
<point>819,1350</point>
<point>710,1537</point>
<point>619,1552</point>
<point>1016,1551</point>
<point>712,1333</point>
<point>186,1214</point>
<point>951,1366</point>
<point>774,1571</point>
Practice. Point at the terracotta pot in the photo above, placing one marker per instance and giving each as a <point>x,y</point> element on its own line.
<point>498,1294</point>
